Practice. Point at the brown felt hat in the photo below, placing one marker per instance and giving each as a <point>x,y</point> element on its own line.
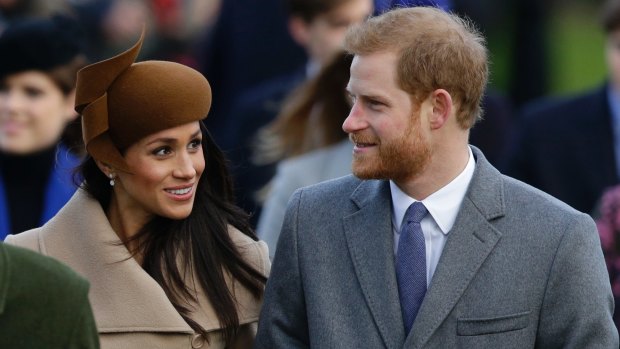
<point>122,102</point>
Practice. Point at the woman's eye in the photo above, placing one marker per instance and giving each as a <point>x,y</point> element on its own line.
<point>33,92</point>
<point>162,151</point>
<point>195,144</point>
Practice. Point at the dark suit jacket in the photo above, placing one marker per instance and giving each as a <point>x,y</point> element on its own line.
<point>493,133</point>
<point>520,269</point>
<point>43,303</point>
<point>565,147</point>
<point>254,110</point>
<point>249,44</point>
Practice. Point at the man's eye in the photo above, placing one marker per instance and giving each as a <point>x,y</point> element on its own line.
<point>375,104</point>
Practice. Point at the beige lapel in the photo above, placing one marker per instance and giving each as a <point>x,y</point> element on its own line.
<point>123,296</point>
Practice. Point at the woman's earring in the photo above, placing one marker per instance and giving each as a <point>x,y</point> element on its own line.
<point>112,176</point>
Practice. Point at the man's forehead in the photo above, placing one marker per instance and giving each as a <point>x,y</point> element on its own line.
<point>373,67</point>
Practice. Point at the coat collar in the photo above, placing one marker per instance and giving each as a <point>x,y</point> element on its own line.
<point>123,296</point>
<point>471,240</point>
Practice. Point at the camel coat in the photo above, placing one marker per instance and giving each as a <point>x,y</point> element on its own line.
<point>131,309</point>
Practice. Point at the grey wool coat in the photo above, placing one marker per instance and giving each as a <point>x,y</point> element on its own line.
<point>520,269</point>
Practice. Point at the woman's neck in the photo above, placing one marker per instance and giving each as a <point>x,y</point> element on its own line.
<point>126,224</point>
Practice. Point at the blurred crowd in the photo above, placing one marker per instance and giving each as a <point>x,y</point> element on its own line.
<point>278,78</point>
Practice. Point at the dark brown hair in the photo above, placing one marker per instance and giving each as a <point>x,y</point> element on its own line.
<point>311,117</point>
<point>202,238</point>
<point>308,10</point>
<point>65,77</point>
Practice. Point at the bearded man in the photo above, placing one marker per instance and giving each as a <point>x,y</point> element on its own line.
<point>427,245</point>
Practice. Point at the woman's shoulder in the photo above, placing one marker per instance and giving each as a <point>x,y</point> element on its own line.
<point>28,239</point>
<point>254,252</point>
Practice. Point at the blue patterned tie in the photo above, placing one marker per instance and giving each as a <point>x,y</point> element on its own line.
<point>411,264</point>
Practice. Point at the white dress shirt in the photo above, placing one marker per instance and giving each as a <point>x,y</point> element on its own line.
<point>443,207</point>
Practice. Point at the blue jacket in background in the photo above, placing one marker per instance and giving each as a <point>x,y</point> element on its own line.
<point>59,190</point>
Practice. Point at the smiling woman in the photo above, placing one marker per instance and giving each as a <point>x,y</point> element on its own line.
<point>38,65</point>
<point>171,261</point>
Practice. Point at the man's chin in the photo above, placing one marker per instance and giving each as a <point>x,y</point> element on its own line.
<point>364,172</point>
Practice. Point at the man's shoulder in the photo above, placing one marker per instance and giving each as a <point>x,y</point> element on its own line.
<point>522,197</point>
<point>338,187</point>
<point>61,283</point>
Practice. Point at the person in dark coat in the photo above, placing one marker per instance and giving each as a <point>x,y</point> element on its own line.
<point>43,303</point>
<point>569,146</point>
<point>319,27</point>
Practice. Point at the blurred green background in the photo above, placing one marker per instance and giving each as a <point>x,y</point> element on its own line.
<point>574,46</point>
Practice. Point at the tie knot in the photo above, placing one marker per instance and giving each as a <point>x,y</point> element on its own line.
<point>415,212</point>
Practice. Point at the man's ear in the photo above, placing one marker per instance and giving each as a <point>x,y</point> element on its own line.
<point>441,102</point>
<point>298,28</point>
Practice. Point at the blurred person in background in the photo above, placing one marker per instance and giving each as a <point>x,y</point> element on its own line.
<point>40,139</point>
<point>306,141</point>
<point>180,24</point>
<point>607,217</point>
<point>319,27</point>
<point>111,24</point>
<point>171,261</point>
<point>522,27</point>
<point>12,10</point>
<point>569,147</point>
<point>248,44</point>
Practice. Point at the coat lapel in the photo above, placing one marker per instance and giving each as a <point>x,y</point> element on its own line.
<point>123,296</point>
<point>470,242</point>
<point>370,241</point>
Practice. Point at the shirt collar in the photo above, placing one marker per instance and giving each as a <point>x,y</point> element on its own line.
<point>443,205</point>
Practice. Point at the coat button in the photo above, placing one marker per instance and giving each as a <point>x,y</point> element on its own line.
<point>198,341</point>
